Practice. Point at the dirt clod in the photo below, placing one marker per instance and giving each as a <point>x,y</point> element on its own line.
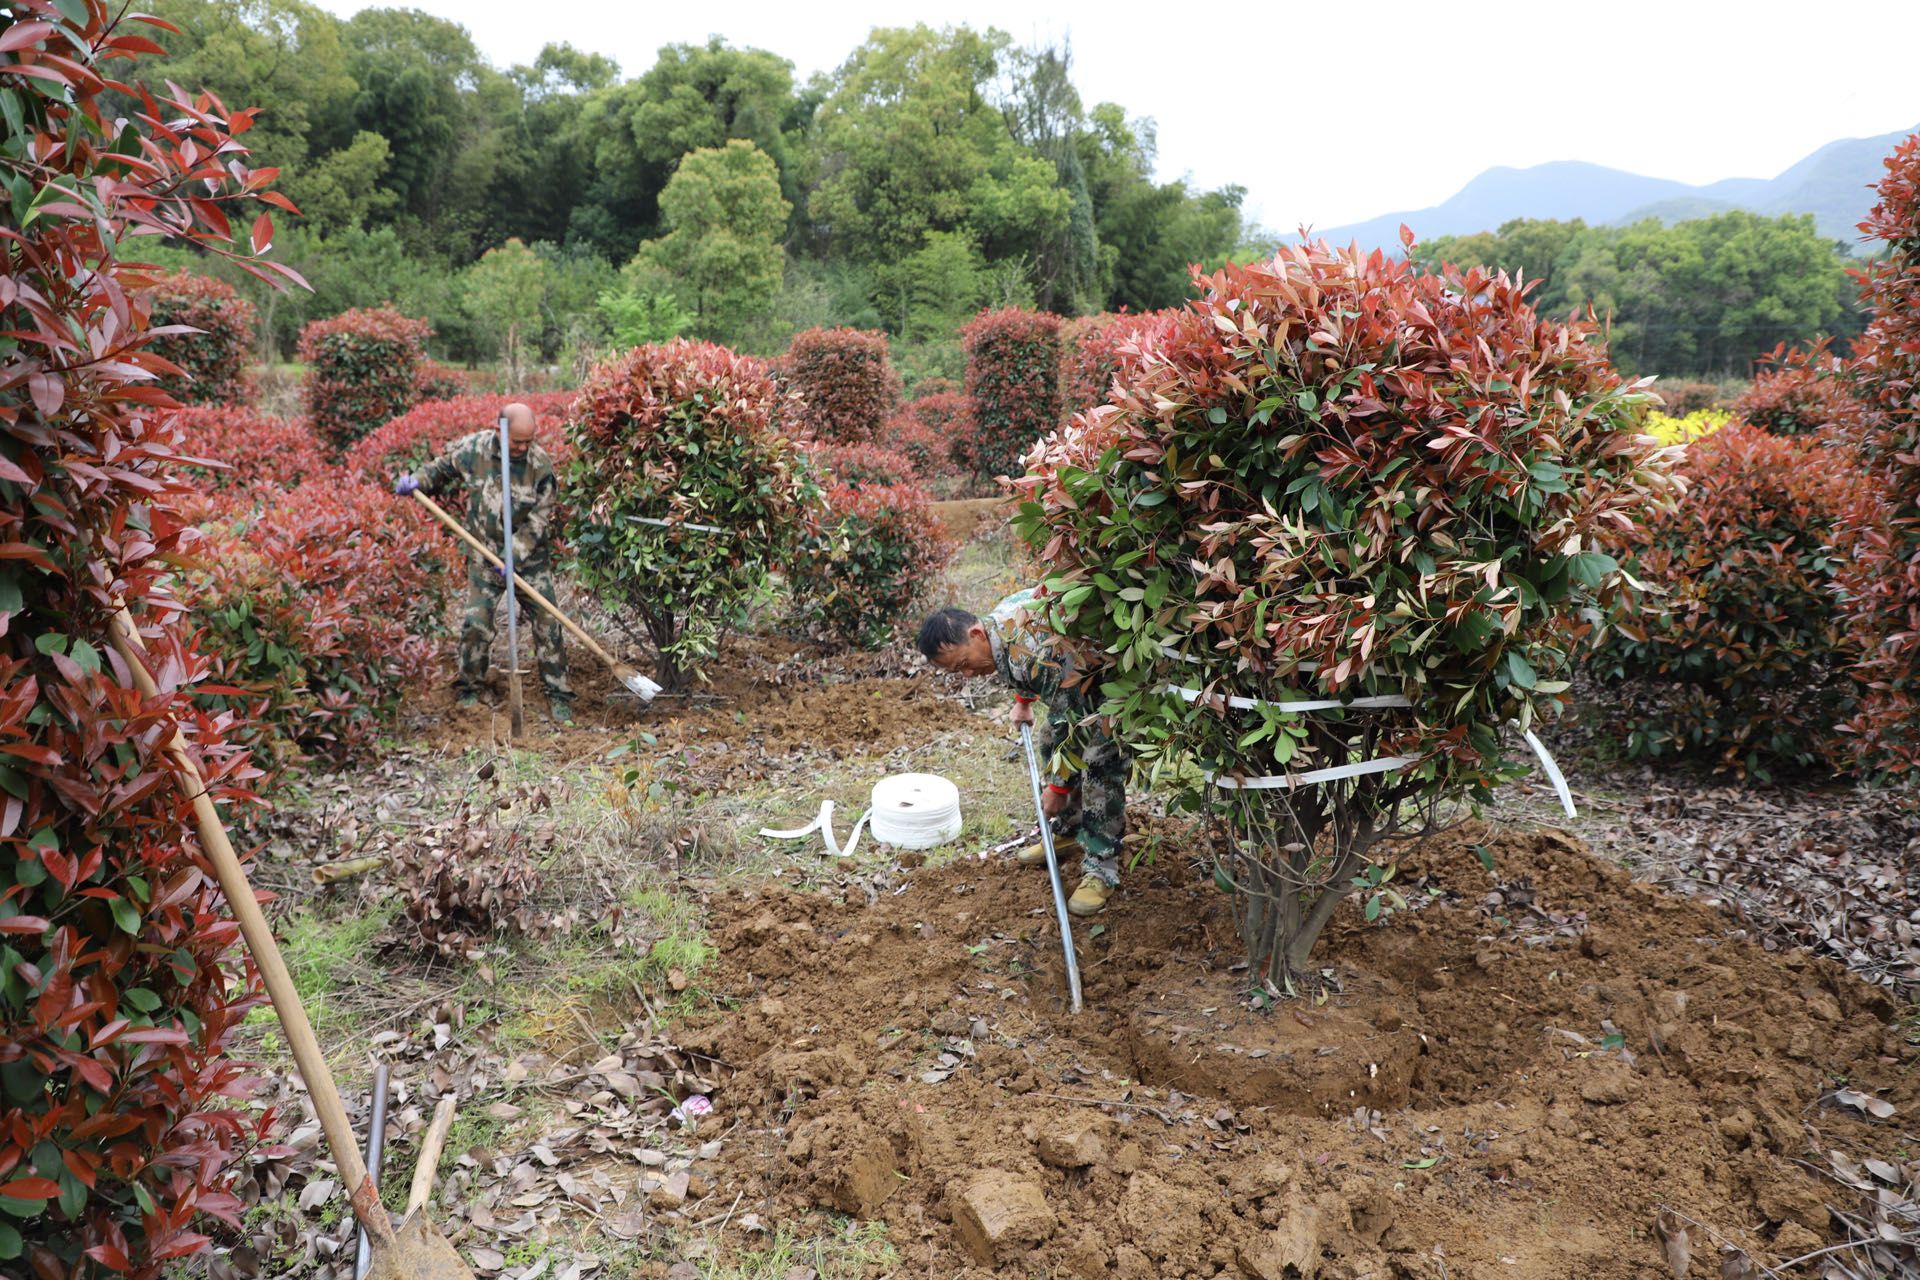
<point>999,1217</point>
<point>1075,1143</point>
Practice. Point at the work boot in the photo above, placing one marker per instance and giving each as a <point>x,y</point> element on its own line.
<point>1091,897</point>
<point>561,712</point>
<point>1035,854</point>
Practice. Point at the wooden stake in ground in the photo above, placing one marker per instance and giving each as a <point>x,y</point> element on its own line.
<point>517,713</point>
<point>424,1254</point>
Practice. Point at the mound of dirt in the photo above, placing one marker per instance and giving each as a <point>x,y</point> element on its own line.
<point>1510,1080</point>
<point>968,518</point>
<point>766,698</point>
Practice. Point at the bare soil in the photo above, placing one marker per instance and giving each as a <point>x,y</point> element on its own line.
<point>1511,1080</point>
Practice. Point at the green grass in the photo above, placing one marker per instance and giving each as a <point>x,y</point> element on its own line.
<point>842,1250</point>
<point>321,956</point>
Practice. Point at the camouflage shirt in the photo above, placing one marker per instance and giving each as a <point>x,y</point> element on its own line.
<point>474,461</point>
<point>1028,656</point>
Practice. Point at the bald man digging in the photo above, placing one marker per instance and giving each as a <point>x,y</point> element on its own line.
<point>474,462</point>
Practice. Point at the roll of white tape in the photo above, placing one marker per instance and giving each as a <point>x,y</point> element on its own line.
<point>915,810</point>
<point>910,811</point>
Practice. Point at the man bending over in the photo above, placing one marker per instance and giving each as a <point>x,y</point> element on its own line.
<point>1014,643</point>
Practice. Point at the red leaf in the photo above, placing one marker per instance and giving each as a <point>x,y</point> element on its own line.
<point>24,34</point>
<point>23,924</point>
<point>262,232</point>
<point>110,1256</point>
<point>48,392</point>
<point>30,1189</point>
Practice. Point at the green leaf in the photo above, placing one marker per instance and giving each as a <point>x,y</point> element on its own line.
<point>1307,400</point>
<point>1520,671</point>
<point>1221,880</point>
<point>86,656</point>
<point>50,642</point>
<point>1590,568</point>
<point>10,599</point>
<point>1372,911</point>
<point>1485,855</point>
<point>11,1245</point>
<point>142,999</point>
<point>1427,1163</point>
<point>126,915</point>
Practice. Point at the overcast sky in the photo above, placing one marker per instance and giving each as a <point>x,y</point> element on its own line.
<point>1333,112</point>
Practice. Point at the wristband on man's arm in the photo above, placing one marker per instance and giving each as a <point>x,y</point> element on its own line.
<point>1024,699</point>
<point>1060,790</point>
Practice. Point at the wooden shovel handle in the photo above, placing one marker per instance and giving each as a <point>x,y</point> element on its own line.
<point>364,1195</point>
<point>430,1149</point>
<point>440,514</point>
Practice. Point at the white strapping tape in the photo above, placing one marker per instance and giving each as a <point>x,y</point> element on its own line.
<point>1376,703</point>
<point>910,811</point>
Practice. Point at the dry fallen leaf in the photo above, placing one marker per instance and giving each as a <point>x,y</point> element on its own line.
<point>1672,1231</point>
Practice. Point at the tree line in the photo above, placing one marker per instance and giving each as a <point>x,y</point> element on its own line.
<point>932,173</point>
<point>1708,296</point>
<point>554,210</point>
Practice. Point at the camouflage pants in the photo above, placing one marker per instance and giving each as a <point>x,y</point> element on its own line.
<point>1099,819</point>
<point>485,586</point>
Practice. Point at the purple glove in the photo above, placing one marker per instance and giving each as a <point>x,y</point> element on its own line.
<point>406,486</point>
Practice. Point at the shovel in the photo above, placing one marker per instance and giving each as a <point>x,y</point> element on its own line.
<point>1053,870</point>
<point>418,1251</point>
<point>626,675</point>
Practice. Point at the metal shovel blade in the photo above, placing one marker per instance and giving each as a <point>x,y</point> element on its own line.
<point>418,1252</point>
<point>640,686</point>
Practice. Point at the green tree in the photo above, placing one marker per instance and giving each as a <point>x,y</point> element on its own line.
<point>286,56</point>
<point>1150,233</point>
<point>906,139</point>
<point>631,136</point>
<point>341,189</point>
<point>504,292</point>
<point>724,216</point>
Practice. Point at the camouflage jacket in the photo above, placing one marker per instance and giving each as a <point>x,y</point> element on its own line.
<point>1030,658</point>
<point>474,461</point>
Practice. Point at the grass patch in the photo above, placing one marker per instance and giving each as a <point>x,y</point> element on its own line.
<point>325,959</point>
<point>842,1250</point>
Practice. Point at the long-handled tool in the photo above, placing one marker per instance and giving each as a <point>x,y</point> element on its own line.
<point>1053,870</point>
<point>376,1148</point>
<point>420,1252</point>
<point>626,675</point>
<point>517,716</point>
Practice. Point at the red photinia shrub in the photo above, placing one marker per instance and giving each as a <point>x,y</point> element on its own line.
<point>363,371</point>
<point>1337,477</point>
<point>120,992</point>
<point>213,362</point>
<point>860,465</point>
<point>1880,535</point>
<point>1013,378</point>
<point>1681,396</point>
<point>675,434</point>
<point>1090,351</point>
<point>879,551</point>
<point>411,439</point>
<point>1741,654</point>
<point>924,447</point>
<point>1803,393</point>
<point>436,381</point>
<point>255,449</point>
<point>318,606</point>
<point>845,383</point>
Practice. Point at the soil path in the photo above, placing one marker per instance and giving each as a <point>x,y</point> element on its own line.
<point>1510,1082</point>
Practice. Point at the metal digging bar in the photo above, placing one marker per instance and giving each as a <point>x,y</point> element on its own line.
<point>1053,870</point>
<point>516,713</point>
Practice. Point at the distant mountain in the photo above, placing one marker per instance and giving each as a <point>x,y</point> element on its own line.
<point>1833,184</point>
